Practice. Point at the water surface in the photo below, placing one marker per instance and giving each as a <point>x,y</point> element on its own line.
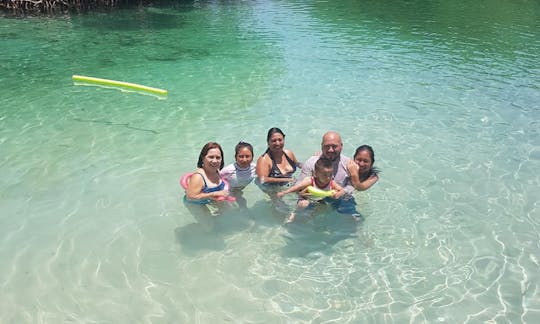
<point>91,220</point>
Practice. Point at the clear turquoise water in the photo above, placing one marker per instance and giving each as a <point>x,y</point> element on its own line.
<point>92,228</point>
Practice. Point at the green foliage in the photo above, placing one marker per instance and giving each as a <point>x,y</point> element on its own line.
<point>33,7</point>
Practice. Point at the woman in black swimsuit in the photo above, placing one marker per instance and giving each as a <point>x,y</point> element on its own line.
<point>276,166</point>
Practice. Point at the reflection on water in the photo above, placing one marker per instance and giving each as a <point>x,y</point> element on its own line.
<point>445,92</point>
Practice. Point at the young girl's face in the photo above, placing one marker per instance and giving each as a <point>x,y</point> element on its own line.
<point>363,159</point>
<point>244,157</point>
<point>212,159</point>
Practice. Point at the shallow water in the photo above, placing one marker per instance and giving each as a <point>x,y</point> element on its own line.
<point>91,220</point>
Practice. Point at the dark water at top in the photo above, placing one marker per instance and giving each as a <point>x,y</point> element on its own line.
<point>447,92</point>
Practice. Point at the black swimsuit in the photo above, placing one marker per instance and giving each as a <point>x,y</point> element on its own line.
<point>275,172</point>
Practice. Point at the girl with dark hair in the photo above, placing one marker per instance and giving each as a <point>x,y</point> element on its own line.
<point>363,173</point>
<point>240,173</point>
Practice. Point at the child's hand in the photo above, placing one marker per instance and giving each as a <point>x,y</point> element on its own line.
<point>304,193</point>
<point>280,194</point>
<point>338,194</point>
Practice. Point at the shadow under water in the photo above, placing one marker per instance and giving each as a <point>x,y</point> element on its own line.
<point>195,239</point>
<point>209,232</point>
<point>318,232</point>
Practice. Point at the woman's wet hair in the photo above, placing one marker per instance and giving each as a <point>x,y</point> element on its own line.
<point>272,131</point>
<point>368,149</point>
<point>207,147</point>
<point>373,170</point>
<point>242,145</point>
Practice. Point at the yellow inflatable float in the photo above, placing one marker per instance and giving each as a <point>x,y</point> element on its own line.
<point>318,193</point>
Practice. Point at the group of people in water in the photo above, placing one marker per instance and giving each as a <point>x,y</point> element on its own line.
<point>327,178</point>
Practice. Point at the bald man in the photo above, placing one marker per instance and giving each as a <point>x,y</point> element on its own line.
<point>331,147</point>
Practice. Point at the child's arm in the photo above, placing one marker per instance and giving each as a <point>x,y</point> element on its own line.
<point>296,187</point>
<point>340,191</point>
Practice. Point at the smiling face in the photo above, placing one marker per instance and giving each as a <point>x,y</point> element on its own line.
<point>323,175</point>
<point>244,157</point>
<point>363,159</point>
<point>212,159</point>
<point>205,151</point>
<point>331,146</point>
<point>276,142</point>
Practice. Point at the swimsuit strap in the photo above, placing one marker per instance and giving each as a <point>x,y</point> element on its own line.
<point>275,171</point>
<point>291,162</point>
<point>330,185</point>
<point>203,179</point>
<point>269,154</point>
<point>207,189</point>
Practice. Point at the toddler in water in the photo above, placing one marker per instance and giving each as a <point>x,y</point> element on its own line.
<point>321,179</point>
<point>240,173</point>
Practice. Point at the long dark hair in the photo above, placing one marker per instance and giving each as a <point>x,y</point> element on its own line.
<point>272,131</point>
<point>207,147</point>
<point>373,170</point>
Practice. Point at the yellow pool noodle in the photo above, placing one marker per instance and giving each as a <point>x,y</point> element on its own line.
<point>113,83</point>
<point>320,193</point>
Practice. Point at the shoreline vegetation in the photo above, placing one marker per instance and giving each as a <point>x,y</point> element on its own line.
<point>48,7</point>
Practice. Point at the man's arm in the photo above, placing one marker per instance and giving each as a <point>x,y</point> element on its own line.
<point>307,168</point>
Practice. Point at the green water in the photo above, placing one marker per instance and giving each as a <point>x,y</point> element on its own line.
<point>92,227</point>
